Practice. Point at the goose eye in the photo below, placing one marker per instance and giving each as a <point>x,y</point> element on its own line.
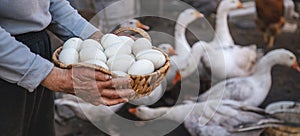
<point>131,23</point>
<point>138,109</point>
<point>291,57</point>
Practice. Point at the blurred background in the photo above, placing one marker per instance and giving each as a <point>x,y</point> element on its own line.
<point>160,16</point>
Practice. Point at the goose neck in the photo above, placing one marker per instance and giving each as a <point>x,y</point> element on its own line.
<point>222,30</point>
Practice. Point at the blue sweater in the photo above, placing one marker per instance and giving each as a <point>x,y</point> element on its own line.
<point>19,65</point>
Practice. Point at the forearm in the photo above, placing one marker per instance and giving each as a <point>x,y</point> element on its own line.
<point>19,65</point>
<point>67,23</point>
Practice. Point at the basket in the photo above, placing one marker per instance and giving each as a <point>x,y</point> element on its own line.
<point>289,112</point>
<point>143,85</point>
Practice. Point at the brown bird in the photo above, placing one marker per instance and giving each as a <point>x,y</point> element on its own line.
<point>270,19</point>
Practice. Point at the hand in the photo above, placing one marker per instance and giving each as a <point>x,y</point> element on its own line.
<point>92,86</point>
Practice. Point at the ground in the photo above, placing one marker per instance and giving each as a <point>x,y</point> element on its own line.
<point>285,81</point>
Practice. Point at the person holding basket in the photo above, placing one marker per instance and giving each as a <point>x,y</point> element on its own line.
<point>27,77</point>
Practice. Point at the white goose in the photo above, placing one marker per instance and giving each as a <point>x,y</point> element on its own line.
<point>222,36</point>
<point>211,118</point>
<point>182,47</point>
<point>87,111</point>
<point>221,56</point>
<point>253,89</point>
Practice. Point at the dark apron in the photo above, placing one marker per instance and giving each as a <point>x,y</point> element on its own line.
<point>24,113</point>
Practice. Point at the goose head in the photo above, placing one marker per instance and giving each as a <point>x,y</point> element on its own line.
<point>283,57</point>
<point>144,112</point>
<point>134,23</point>
<point>227,5</point>
<point>188,16</point>
<point>167,48</point>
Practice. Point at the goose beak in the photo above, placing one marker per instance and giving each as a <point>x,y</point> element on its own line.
<point>177,77</point>
<point>172,51</point>
<point>142,26</point>
<point>240,5</point>
<point>296,66</point>
<point>132,110</point>
<point>198,15</point>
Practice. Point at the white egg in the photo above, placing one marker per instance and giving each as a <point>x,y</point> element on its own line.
<point>97,62</point>
<point>119,73</point>
<point>110,39</point>
<point>91,43</point>
<point>120,62</point>
<point>141,44</point>
<point>155,56</point>
<point>141,67</point>
<point>68,56</point>
<point>91,53</point>
<point>73,43</point>
<point>118,49</point>
<point>127,40</point>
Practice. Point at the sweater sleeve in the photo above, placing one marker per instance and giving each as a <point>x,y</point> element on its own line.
<point>19,65</point>
<point>67,23</point>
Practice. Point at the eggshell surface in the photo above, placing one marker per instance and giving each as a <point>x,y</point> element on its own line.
<point>110,39</point>
<point>120,63</point>
<point>141,67</point>
<point>73,43</point>
<point>91,53</point>
<point>141,44</point>
<point>155,56</point>
<point>68,56</point>
<point>91,43</point>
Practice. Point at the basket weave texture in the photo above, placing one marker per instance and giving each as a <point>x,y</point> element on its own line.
<point>143,85</point>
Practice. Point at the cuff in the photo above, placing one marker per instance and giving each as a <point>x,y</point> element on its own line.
<point>39,69</point>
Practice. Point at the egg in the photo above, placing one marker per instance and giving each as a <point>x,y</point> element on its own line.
<point>119,74</point>
<point>68,56</point>
<point>91,43</point>
<point>141,44</point>
<point>155,56</point>
<point>108,40</point>
<point>141,67</point>
<point>127,40</point>
<point>73,43</point>
<point>91,53</point>
<point>119,48</point>
<point>97,62</point>
<point>120,62</point>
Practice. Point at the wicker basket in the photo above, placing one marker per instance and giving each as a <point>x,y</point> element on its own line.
<point>142,84</point>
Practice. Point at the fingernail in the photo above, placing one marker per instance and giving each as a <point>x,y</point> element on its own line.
<point>107,77</point>
<point>125,100</point>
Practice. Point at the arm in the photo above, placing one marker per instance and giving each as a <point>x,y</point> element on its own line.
<point>20,66</point>
<point>67,23</point>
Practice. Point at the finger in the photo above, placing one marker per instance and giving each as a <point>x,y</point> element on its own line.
<point>99,76</point>
<point>87,73</point>
<point>110,102</point>
<point>115,83</point>
<point>113,94</point>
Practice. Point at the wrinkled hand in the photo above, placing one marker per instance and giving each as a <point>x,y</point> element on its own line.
<point>92,86</point>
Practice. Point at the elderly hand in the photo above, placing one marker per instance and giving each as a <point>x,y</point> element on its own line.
<point>92,86</point>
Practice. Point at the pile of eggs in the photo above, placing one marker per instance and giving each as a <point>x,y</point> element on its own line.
<point>119,54</point>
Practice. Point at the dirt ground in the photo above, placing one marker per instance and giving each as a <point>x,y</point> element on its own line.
<point>285,81</point>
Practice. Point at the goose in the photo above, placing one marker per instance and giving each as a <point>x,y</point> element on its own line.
<point>134,23</point>
<point>253,89</point>
<point>211,118</point>
<point>222,35</point>
<point>186,17</point>
<point>220,57</point>
<point>182,47</point>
